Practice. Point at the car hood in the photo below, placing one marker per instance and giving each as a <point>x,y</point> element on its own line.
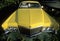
<point>33,18</point>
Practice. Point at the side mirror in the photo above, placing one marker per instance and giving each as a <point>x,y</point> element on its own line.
<point>42,7</point>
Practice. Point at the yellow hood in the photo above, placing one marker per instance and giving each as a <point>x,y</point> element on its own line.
<point>30,18</point>
<point>33,18</point>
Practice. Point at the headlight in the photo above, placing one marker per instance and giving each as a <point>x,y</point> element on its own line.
<point>10,29</point>
<point>47,29</point>
<point>44,28</point>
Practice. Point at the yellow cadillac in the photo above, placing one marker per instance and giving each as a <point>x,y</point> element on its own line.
<point>31,19</point>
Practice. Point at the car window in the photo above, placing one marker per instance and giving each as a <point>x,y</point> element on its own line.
<point>29,5</point>
<point>23,5</point>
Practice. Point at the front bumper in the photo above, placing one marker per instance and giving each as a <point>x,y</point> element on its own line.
<point>34,32</point>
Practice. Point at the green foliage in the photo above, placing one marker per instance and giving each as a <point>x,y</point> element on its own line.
<point>8,2</point>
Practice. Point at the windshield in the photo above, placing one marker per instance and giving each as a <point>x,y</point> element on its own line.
<point>29,5</point>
